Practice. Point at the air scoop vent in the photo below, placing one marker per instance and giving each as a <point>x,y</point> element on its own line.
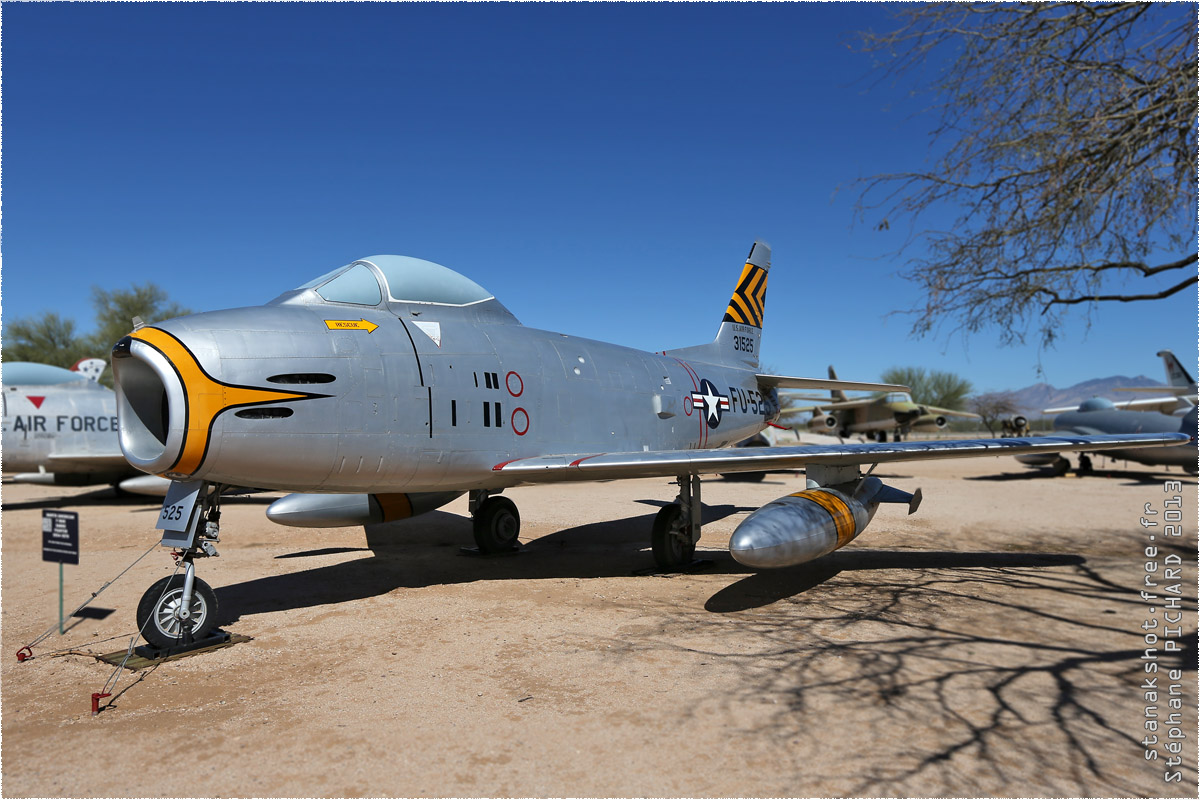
<point>264,413</point>
<point>302,377</point>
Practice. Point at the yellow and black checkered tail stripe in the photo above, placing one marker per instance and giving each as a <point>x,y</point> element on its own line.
<point>749,299</point>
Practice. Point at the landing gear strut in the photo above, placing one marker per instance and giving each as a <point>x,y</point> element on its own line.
<point>180,610</point>
<point>677,527</point>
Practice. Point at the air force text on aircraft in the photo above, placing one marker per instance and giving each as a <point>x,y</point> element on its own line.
<point>75,423</point>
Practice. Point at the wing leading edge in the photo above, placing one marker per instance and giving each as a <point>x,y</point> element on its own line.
<point>610,466</point>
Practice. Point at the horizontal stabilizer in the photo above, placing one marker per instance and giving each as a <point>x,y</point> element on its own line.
<point>786,382</point>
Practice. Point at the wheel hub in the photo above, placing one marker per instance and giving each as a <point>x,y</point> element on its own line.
<point>172,614</point>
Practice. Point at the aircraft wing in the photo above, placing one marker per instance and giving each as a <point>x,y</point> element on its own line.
<point>839,405</point>
<point>1177,390</point>
<point>671,463</point>
<point>792,411</point>
<point>950,412</point>
<point>1163,405</point>
<point>109,460</point>
<point>821,384</point>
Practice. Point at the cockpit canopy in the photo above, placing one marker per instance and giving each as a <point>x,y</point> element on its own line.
<point>401,279</point>
<point>1097,404</point>
<point>27,373</point>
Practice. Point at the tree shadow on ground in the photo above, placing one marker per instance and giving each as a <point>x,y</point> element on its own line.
<point>963,673</point>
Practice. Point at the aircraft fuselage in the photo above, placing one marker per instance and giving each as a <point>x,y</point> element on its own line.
<point>43,421</point>
<point>322,398</point>
<point>1092,423</point>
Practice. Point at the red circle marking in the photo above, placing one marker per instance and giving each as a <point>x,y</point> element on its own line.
<point>508,384</point>
<point>520,411</point>
<point>687,404</point>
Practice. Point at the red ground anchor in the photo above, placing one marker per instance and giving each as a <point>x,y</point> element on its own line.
<point>24,654</point>
<point>96,698</point>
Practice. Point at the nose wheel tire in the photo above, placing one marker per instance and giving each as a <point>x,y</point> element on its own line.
<point>673,548</point>
<point>496,525</point>
<point>158,613</point>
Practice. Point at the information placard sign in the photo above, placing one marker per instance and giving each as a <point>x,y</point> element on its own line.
<point>60,536</point>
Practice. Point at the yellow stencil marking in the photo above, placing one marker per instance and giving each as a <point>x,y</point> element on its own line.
<point>843,517</point>
<point>350,325</point>
<point>205,397</point>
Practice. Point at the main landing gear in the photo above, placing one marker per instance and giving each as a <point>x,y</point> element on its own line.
<point>677,527</point>
<point>180,611</point>
<point>496,522</point>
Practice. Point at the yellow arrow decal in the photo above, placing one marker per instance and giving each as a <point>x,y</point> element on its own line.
<point>350,325</point>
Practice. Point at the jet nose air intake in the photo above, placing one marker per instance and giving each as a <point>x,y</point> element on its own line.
<point>151,403</point>
<point>167,403</point>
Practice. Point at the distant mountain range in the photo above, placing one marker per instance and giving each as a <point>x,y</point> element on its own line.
<point>1032,399</point>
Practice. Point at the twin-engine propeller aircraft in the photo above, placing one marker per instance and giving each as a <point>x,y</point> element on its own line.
<point>391,385</point>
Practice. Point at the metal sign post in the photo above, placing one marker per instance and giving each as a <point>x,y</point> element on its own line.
<point>60,542</point>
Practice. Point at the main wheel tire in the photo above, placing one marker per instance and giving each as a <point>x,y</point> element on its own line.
<point>1061,466</point>
<point>671,551</point>
<point>156,617</point>
<point>496,525</point>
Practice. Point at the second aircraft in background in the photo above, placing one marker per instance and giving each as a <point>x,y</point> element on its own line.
<point>874,416</point>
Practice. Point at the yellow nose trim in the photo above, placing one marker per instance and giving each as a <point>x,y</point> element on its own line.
<point>205,397</point>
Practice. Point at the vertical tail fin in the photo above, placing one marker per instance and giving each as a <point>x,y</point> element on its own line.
<point>749,299</point>
<point>1176,374</point>
<point>837,395</point>
<point>740,334</point>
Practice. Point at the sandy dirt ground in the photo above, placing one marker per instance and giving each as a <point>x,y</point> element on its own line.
<point>988,645</point>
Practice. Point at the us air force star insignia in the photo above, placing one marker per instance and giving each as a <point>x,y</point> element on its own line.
<point>712,401</point>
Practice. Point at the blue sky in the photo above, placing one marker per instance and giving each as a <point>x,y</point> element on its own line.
<point>602,169</point>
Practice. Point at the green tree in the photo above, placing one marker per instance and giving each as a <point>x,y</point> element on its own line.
<point>49,339</point>
<point>931,387</point>
<point>1066,154</point>
<point>116,309</point>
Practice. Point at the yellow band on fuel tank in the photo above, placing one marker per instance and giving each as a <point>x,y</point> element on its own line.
<point>843,517</point>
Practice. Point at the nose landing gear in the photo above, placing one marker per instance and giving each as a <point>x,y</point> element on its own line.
<point>166,620</point>
<point>180,611</point>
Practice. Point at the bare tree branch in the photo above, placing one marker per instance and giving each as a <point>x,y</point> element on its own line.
<point>1067,154</point>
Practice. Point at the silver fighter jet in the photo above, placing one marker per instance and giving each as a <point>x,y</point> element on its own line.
<point>391,385</point>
